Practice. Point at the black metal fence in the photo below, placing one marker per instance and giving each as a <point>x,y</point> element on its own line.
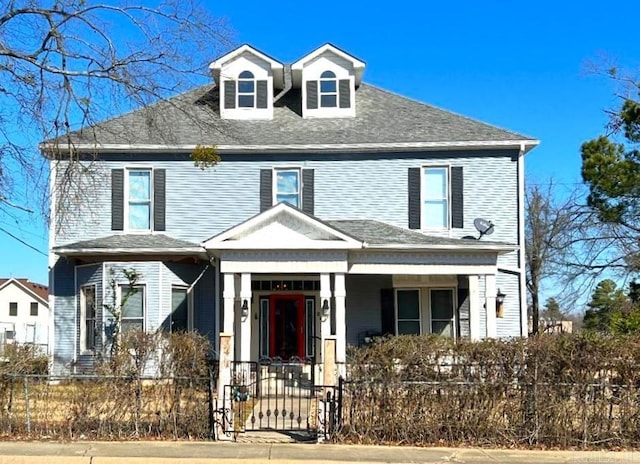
<point>107,407</point>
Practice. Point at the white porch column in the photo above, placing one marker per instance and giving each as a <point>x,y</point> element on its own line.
<point>229,296</point>
<point>474,308</point>
<point>245,322</point>
<point>490,303</point>
<point>340,292</point>
<point>325,321</point>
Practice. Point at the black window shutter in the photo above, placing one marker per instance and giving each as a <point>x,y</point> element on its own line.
<point>159,199</point>
<point>312,95</point>
<point>262,94</point>
<point>463,312</point>
<point>387,312</point>
<point>117,199</point>
<point>229,94</point>
<point>457,199</point>
<point>414,198</point>
<point>266,189</point>
<point>307,191</point>
<point>344,88</point>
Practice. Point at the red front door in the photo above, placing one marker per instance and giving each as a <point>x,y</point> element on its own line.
<point>286,337</point>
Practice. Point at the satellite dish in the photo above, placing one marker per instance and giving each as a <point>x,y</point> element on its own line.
<point>483,226</point>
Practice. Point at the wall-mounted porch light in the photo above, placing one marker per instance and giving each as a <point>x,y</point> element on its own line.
<point>325,308</point>
<point>244,309</point>
<point>500,303</point>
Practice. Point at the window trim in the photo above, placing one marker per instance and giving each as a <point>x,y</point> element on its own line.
<point>127,225</point>
<point>83,319</point>
<point>454,306</point>
<point>253,94</point>
<point>274,185</point>
<point>143,288</point>
<point>395,307</point>
<point>189,295</point>
<point>423,214</point>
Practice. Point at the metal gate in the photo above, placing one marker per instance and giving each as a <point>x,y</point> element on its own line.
<point>278,395</point>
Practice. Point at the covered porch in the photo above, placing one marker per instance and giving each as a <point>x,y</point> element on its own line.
<point>291,282</point>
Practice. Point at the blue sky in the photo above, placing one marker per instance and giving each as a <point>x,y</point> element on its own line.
<point>517,65</point>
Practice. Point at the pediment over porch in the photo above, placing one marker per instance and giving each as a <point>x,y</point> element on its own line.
<point>282,227</point>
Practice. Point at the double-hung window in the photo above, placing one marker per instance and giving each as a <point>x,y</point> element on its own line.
<point>87,318</point>
<point>328,90</point>
<point>408,312</point>
<point>246,90</point>
<point>13,309</point>
<point>179,309</point>
<point>442,313</point>
<point>287,187</point>
<point>435,198</point>
<point>139,199</point>
<point>33,310</point>
<point>132,305</point>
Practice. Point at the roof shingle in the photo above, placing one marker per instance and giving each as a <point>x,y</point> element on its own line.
<point>381,117</point>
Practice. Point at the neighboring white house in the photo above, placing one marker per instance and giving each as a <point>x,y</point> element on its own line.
<point>24,312</point>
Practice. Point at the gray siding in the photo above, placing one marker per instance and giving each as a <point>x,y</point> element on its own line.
<point>509,324</point>
<point>64,315</point>
<point>363,304</point>
<point>204,203</point>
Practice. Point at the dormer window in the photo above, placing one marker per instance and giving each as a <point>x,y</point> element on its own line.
<point>328,90</point>
<point>246,90</point>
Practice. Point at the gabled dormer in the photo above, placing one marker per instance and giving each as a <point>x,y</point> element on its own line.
<point>246,79</point>
<point>328,78</point>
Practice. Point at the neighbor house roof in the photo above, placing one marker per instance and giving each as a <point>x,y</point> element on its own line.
<point>38,290</point>
<point>158,244</point>
<point>383,121</point>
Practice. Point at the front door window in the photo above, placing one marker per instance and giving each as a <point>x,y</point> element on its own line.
<point>287,324</point>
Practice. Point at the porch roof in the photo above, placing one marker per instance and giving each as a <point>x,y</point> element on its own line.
<point>376,234</point>
<point>131,244</point>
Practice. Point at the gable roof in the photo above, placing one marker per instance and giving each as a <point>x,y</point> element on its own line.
<point>38,291</point>
<point>296,68</point>
<point>277,68</point>
<point>384,122</point>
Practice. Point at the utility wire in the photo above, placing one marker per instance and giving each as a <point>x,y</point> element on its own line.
<point>23,242</point>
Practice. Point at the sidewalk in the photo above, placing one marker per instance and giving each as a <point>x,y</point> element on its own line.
<point>222,453</point>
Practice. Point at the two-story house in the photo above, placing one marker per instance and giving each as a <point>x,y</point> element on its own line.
<point>338,209</point>
<point>24,313</point>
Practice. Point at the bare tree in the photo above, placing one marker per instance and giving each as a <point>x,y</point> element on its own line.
<point>567,246</point>
<point>65,64</point>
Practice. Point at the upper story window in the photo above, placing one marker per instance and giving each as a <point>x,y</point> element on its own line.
<point>139,199</point>
<point>13,309</point>
<point>33,310</point>
<point>287,187</point>
<point>435,198</point>
<point>246,90</point>
<point>328,90</point>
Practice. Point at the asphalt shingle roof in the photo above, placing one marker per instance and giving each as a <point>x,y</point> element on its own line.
<point>381,117</point>
<point>130,241</point>
<point>41,290</point>
<point>379,233</point>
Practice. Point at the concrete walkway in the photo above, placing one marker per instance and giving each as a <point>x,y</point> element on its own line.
<point>221,453</point>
